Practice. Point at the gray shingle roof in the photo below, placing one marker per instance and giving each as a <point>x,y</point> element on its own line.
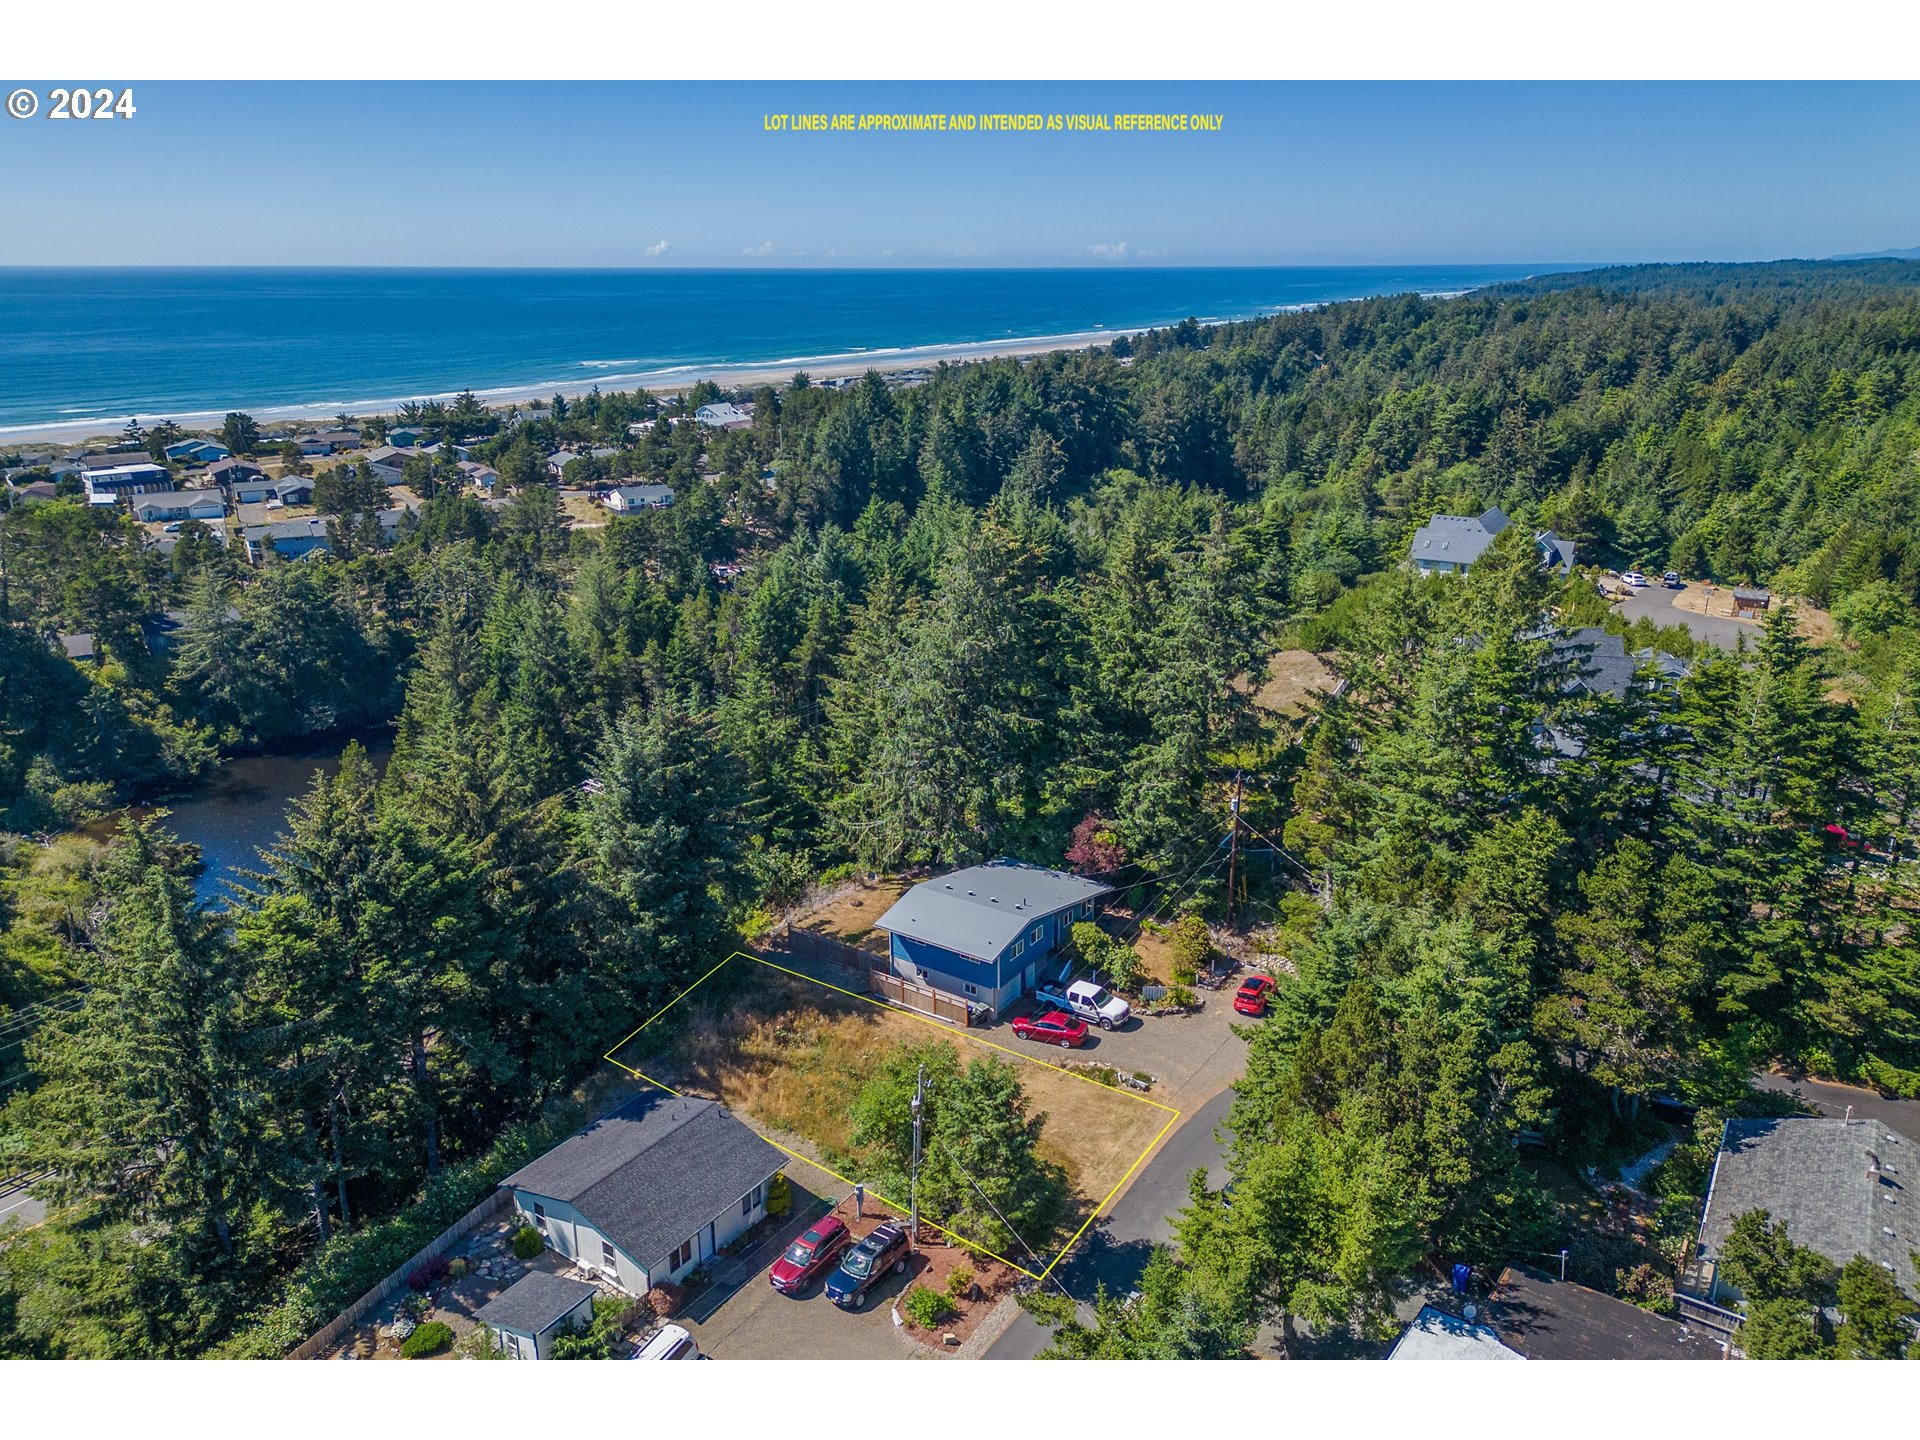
<point>1458,539</point>
<point>534,1303</point>
<point>1548,1319</point>
<point>981,910</point>
<point>653,1172</point>
<point>1843,1187</point>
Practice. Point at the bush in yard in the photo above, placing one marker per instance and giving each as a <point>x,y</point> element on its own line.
<point>528,1242</point>
<point>458,1269</point>
<point>428,1273</point>
<point>1117,964</point>
<point>927,1308</point>
<point>1180,996</point>
<point>1191,945</point>
<point>429,1339</point>
<point>779,1195</point>
<point>959,1282</point>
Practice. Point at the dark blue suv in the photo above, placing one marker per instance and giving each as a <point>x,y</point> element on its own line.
<point>881,1253</point>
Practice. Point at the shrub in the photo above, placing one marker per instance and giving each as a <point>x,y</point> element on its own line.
<point>528,1242</point>
<point>1192,947</point>
<point>429,1339</point>
<point>458,1269</point>
<point>959,1282</point>
<point>1179,995</point>
<point>779,1195</point>
<point>428,1273</point>
<point>927,1308</point>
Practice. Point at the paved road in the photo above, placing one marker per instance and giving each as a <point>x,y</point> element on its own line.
<point>16,1204</point>
<point>1115,1251</point>
<point>1831,1099</point>
<point>1655,602</point>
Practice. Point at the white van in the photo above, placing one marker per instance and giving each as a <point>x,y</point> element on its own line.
<point>671,1343</point>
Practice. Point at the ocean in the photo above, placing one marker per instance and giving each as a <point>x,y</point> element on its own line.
<point>79,346</point>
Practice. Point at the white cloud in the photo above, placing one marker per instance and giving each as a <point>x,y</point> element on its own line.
<point>760,251</point>
<point>657,249</point>
<point>1108,252</point>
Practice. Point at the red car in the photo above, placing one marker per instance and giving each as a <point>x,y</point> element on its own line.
<point>1251,997</point>
<point>1843,837</point>
<point>809,1257</point>
<point>1056,1027</point>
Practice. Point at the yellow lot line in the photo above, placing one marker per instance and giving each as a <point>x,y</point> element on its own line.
<point>1172,1114</point>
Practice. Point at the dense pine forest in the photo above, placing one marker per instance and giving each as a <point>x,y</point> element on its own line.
<point>1020,609</point>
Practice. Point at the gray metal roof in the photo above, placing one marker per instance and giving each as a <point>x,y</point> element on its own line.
<point>1843,1187</point>
<point>981,910</point>
<point>654,1171</point>
<point>642,494</point>
<point>534,1303</point>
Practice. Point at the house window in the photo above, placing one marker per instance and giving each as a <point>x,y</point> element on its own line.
<point>1019,948</point>
<point>540,1215</point>
<point>1035,936</point>
<point>608,1260</point>
<point>680,1257</point>
<point>752,1198</point>
<point>971,990</point>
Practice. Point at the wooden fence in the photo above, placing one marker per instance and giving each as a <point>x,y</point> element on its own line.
<point>329,1335</point>
<point>872,972</point>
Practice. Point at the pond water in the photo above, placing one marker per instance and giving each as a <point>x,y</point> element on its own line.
<point>241,808</point>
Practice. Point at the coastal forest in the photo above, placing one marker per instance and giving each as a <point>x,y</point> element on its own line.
<point>1024,608</point>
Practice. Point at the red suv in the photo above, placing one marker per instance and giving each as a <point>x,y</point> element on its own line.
<point>1251,997</point>
<point>809,1257</point>
<point>1056,1027</point>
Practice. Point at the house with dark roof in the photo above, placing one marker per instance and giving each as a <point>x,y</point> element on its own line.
<point>289,539</point>
<point>647,1194</point>
<point>244,481</point>
<point>987,933</point>
<point>1532,1316</point>
<point>1843,1188</point>
<point>526,1316</point>
<point>1449,544</point>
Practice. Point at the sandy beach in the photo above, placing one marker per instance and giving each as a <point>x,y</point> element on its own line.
<point>676,380</point>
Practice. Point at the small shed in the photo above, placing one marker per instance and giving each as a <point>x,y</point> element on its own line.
<point>526,1316</point>
<point>1751,602</point>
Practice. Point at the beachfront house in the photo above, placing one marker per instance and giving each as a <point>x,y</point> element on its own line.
<point>206,503</point>
<point>988,933</point>
<point>1449,544</point>
<point>648,1193</point>
<point>631,499</point>
<point>197,452</point>
<point>109,484</point>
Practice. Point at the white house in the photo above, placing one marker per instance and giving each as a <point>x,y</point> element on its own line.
<point>526,1316</point>
<point>628,499</point>
<point>648,1193</point>
<point>724,415</point>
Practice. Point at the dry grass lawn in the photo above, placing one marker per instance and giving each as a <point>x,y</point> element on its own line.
<point>789,1055</point>
<point>1294,678</point>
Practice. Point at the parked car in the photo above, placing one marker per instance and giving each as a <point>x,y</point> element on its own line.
<point>1671,579</point>
<point>1251,997</point>
<point>1055,1027</point>
<point>1633,579</point>
<point>1092,1002</point>
<point>1843,837</point>
<point>810,1257</point>
<point>881,1253</point>
<point>670,1343</point>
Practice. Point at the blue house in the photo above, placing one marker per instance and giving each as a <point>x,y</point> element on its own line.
<point>197,452</point>
<point>987,932</point>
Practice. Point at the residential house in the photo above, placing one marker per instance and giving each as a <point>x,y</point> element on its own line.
<point>482,478</point>
<point>197,452</point>
<point>107,485</point>
<point>33,491</point>
<point>1449,544</point>
<point>78,647</point>
<point>1843,1188</point>
<point>206,503</point>
<point>984,933</point>
<point>314,445</point>
<point>558,461</point>
<point>629,499</point>
<point>1437,1335</point>
<point>404,436</point>
<point>389,463</point>
<point>647,1194</point>
<point>246,483</point>
<point>289,539</point>
<point>725,416</point>
<point>1532,1316</point>
<point>294,490</point>
<point>525,1317</point>
<point>1599,663</point>
<point>1751,603</point>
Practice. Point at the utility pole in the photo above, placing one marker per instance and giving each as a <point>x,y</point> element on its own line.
<point>913,1181</point>
<point>1233,852</point>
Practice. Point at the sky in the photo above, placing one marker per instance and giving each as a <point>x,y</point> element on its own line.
<point>688,174</point>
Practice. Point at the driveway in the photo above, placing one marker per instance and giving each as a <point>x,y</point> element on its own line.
<point>742,1317</point>
<point>1115,1251</point>
<point>1837,1100</point>
<point>17,1203</point>
<point>1655,603</point>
